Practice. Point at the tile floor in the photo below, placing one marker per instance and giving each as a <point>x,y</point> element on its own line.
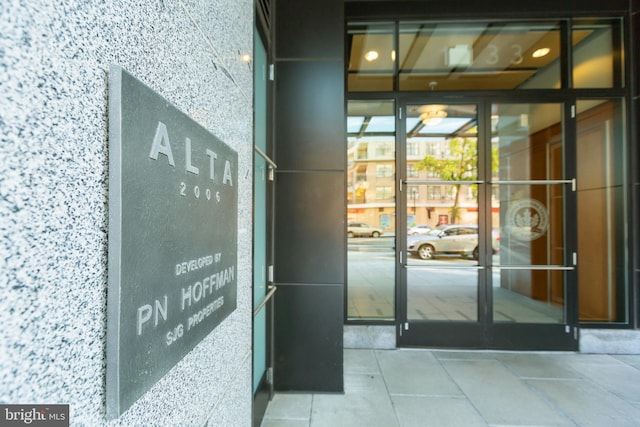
<point>415,387</point>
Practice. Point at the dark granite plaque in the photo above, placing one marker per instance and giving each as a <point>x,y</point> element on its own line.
<point>173,214</point>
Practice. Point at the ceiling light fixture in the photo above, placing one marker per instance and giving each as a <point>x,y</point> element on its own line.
<point>372,55</point>
<point>432,115</point>
<point>539,53</point>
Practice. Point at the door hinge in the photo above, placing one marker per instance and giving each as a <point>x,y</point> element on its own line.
<point>567,330</point>
<point>272,72</point>
<point>401,258</point>
<point>575,259</point>
<point>270,274</point>
<point>573,111</point>
<point>574,185</point>
<point>404,326</point>
<point>400,113</point>
<point>270,375</point>
<point>271,175</point>
<point>400,185</point>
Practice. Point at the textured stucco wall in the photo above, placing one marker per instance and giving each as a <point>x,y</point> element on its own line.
<point>54,60</point>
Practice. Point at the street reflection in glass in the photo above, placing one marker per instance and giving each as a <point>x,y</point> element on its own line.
<point>446,294</point>
<point>371,227</point>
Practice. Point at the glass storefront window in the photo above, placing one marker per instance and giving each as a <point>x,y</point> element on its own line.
<point>601,189</point>
<point>482,55</point>
<point>371,141</point>
<point>371,57</point>
<point>547,205</point>
<point>479,56</point>
<point>528,181</point>
<point>597,58</point>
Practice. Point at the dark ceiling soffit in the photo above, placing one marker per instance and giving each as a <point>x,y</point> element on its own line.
<point>423,9</point>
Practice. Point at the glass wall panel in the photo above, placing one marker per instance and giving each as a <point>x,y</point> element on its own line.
<point>601,183</point>
<point>371,57</point>
<point>260,213</point>
<point>479,56</point>
<point>371,209</point>
<point>259,267</point>
<point>597,54</point>
<point>528,213</point>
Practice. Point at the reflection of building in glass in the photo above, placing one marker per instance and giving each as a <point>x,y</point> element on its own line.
<point>371,183</point>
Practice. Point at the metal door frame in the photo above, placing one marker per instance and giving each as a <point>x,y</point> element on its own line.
<point>485,333</point>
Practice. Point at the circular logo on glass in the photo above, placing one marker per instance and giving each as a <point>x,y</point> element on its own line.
<point>527,219</point>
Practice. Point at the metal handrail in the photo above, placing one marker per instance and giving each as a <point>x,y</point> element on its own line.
<point>272,290</point>
<point>497,267</point>
<point>264,156</point>
<point>534,267</point>
<point>471,182</point>
<point>444,267</point>
<point>533,182</point>
<point>462,181</point>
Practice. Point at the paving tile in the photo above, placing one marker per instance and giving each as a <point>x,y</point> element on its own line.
<point>360,362</point>
<point>538,365</point>
<point>500,397</point>
<point>436,411</point>
<point>470,388</point>
<point>415,372</point>
<point>610,373</point>
<point>364,383</point>
<point>290,406</point>
<point>587,404</point>
<point>629,359</point>
<point>463,355</point>
<point>284,423</point>
<point>365,403</point>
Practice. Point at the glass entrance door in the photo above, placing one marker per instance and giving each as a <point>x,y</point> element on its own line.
<point>488,261</point>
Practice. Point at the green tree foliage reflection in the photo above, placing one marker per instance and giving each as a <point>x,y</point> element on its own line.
<point>460,163</point>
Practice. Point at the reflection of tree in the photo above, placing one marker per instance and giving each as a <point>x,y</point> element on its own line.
<point>361,192</point>
<point>460,164</point>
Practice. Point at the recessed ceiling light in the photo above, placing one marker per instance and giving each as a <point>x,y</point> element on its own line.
<point>372,55</point>
<point>541,52</point>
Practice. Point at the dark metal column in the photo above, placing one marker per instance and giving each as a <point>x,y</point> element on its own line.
<point>310,243</point>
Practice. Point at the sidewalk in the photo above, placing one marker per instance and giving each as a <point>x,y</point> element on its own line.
<point>407,388</point>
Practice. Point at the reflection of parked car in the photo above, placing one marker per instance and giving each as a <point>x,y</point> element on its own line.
<point>419,229</point>
<point>360,229</point>
<point>448,239</point>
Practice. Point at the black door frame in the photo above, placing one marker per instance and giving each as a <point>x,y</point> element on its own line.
<point>485,334</point>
